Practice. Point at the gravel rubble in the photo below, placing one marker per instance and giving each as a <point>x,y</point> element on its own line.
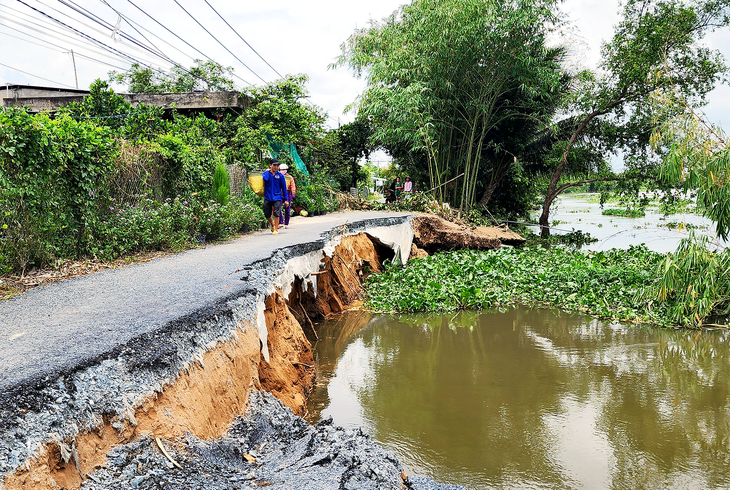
<point>267,447</point>
<point>115,378</point>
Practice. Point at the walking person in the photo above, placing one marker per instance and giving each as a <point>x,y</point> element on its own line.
<point>291,192</point>
<point>274,195</point>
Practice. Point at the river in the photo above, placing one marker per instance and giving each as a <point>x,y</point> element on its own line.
<point>532,398</point>
<point>657,231</point>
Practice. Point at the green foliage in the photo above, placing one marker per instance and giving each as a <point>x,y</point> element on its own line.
<point>574,238</point>
<point>694,279</point>
<point>624,212</point>
<point>277,112</point>
<point>415,202</point>
<point>60,177</point>
<point>221,191</point>
<point>695,282</point>
<point>673,205</point>
<point>206,75</point>
<point>170,225</point>
<point>49,171</point>
<point>458,87</point>
<point>102,105</point>
<point>605,284</point>
<point>654,53</point>
<point>354,145</point>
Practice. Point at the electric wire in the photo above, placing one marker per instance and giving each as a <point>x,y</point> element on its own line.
<point>242,39</point>
<point>158,53</point>
<point>152,34</point>
<point>124,36</point>
<point>133,23</point>
<point>76,53</point>
<point>36,76</point>
<point>86,46</point>
<point>44,29</point>
<point>181,39</point>
<point>130,25</point>
<point>60,36</point>
<point>86,36</point>
<point>135,44</point>
<point>224,46</point>
<point>126,57</point>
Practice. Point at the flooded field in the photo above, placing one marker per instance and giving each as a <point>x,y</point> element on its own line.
<point>532,398</point>
<point>658,231</point>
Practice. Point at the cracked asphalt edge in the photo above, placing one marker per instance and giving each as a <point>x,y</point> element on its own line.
<point>60,405</point>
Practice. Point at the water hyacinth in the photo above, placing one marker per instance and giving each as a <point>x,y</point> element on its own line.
<point>612,284</point>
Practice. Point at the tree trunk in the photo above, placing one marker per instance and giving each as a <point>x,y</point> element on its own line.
<point>552,192</point>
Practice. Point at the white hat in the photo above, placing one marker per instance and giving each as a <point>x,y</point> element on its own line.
<point>283,166</point>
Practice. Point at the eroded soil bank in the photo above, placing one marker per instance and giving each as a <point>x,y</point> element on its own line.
<point>191,381</point>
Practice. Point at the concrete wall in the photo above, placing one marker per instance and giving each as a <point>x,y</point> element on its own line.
<point>49,99</point>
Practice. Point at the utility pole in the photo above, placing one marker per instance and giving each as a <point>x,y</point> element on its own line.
<point>73,59</point>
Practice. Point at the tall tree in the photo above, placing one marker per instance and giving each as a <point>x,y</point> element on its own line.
<point>653,51</point>
<point>443,75</point>
<point>277,111</point>
<point>354,144</point>
<point>209,76</point>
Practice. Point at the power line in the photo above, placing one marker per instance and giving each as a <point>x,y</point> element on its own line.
<point>242,39</point>
<point>35,76</point>
<point>108,26</point>
<point>224,46</point>
<point>156,52</point>
<point>181,39</point>
<point>28,25</point>
<point>123,17</point>
<point>62,48</point>
<point>72,42</point>
<point>133,23</point>
<point>86,36</point>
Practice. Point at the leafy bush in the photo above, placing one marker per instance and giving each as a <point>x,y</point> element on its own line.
<point>221,192</point>
<point>170,225</point>
<point>574,238</point>
<point>694,282</point>
<point>50,170</point>
<point>414,201</point>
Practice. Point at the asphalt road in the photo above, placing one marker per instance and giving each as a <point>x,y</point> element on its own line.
<point>54,328</point>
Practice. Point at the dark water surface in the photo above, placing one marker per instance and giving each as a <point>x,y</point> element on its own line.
<point>532,398</point>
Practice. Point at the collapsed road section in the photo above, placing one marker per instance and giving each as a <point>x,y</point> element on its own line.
<point>170,351</point>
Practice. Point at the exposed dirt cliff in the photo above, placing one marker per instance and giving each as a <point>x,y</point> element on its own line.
<point>205,397</point>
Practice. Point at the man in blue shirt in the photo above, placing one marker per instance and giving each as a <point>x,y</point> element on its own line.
<point>274,194</point>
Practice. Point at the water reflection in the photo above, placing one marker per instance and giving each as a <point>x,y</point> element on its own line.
<point>583,212</point>
<point>532,399</point>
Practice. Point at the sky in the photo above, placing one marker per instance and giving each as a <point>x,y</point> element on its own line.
<point>293,36</point>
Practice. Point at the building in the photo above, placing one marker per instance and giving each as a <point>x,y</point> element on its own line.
<point>39,99</point>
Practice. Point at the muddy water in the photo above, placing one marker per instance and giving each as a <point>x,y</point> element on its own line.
<point>532,399</point>
<point>583,212</point>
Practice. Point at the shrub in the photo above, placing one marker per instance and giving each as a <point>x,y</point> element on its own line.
<point>221,187</point>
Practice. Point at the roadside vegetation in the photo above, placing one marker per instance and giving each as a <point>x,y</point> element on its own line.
<point>99,180</point>
<point>474,101</point>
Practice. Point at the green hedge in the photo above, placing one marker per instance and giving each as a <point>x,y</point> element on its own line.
<point>72,188</point>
